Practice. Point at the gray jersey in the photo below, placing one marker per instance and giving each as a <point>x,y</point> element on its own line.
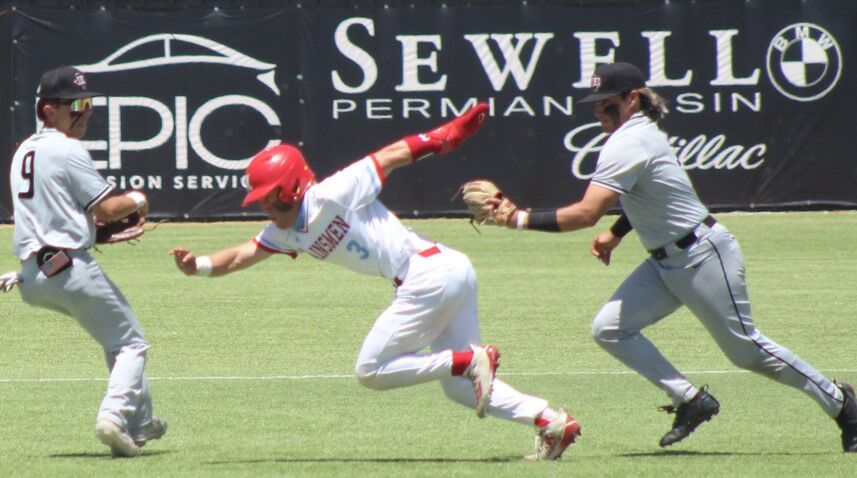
<point>657,196</point>
<point>54,185</point>
<point>707,276</point>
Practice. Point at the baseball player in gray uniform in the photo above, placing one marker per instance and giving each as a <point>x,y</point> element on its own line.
<point>694,261</point>
<point>57,195</point>
<point>340,220</point>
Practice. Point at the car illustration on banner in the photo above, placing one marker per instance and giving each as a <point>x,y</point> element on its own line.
<point>191,94</point>
<point>207,51</point>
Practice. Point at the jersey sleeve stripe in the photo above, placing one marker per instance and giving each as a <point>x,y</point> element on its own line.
<point>378,168</point>
<point>98,198</point>
<point>271,250</point>
<point>609,186</point>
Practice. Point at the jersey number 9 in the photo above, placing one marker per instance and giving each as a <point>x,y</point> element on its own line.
<point>27,172</point>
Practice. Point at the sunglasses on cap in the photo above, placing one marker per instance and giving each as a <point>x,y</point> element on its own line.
<point>79,105</point>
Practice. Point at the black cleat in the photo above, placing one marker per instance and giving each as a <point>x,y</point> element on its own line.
<point>690,415</point>
<point>847,419</point>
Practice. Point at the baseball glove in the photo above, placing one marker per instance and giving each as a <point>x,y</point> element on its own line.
<point>125,229</point>
<point>8,280</point>
<point>476,195</point>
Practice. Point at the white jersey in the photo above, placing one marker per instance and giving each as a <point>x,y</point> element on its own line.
<point>657,195</point>
<point>54,185</point>
<point>341,221</point>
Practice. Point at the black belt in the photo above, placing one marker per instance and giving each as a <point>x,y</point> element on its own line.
<point>684,242</point>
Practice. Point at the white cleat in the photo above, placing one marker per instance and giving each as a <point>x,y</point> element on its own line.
<point>553,439</point>
<point>482,369</point>
<point>153,430</point>
<point>120,443</point>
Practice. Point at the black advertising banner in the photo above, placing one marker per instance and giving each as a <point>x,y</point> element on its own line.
<point>5,105</point>
<point>758,93</point>
<point>191,95</point>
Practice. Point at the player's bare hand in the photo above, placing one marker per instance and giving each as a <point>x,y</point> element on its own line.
<point>603,245</point>
<point>185,260</point>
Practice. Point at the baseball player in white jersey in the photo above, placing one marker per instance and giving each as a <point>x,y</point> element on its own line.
<point>57,194</point>
<point>694,261</point>
<point>340,220</point>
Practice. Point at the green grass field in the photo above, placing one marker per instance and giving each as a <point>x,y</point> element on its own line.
<point>253,371</point>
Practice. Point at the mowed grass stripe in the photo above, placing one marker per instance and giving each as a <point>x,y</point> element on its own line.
<point>336,377</point>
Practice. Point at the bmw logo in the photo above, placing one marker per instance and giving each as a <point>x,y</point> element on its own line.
<point>804,61</point>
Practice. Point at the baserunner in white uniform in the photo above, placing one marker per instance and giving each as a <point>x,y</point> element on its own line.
<point>57,193</point>
<point>340,220</point>
<point>694,261</point>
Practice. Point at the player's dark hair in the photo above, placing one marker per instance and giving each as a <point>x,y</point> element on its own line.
<point>652,104</point>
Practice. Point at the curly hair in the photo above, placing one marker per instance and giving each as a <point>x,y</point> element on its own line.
<point>652,104</point>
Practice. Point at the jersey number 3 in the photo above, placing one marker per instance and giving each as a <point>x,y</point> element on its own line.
<point>354,246</point>
<point>28,173</point>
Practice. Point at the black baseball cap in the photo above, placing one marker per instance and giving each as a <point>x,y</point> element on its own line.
<point>612,79</point>
<point>64,83</point>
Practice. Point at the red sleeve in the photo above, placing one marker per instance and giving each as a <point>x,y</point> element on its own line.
<point>293,255</point>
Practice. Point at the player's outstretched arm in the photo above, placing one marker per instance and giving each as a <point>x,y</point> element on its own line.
<point>588,211</point>
<point>219,263</point>
<point>500,210</point>
<point>442,139</point>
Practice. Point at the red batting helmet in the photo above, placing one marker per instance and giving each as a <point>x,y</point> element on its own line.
<point>280,166</point>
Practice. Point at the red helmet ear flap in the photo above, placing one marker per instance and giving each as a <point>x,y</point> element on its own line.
<point>280,166</point>
<point>295,185</point>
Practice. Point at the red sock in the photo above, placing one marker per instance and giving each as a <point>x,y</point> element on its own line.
<point>460,362</point>
<point>544,418</point>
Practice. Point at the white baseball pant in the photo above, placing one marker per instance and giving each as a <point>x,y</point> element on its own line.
<point>435,307</point>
